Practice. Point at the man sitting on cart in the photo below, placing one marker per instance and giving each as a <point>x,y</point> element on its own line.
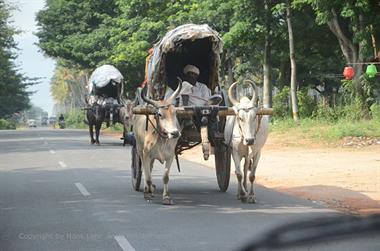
<point>193,92</point>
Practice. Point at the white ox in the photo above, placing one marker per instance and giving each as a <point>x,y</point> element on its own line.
<point>158,141</point>
<point>246,133</point>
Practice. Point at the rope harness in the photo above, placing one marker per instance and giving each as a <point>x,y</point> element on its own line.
<point>157,127</point>
<point>240,129</point>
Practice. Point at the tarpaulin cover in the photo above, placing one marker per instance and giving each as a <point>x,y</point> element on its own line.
<point>102,76</point>
<point>172,42</point>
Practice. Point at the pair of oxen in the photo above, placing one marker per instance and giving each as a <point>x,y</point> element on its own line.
<point>246,133</point>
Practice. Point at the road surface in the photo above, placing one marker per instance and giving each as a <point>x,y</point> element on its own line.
<point>58,192</point>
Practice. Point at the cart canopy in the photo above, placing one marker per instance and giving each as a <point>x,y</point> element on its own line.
<point>106,81</point>
<point>193,44</point>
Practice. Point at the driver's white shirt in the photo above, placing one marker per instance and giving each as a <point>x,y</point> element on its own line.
<point>198,94</point>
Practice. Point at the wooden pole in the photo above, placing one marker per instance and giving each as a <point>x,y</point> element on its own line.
<point>183,112</point>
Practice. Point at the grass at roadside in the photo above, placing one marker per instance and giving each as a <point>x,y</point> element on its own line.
<point>325,131</point>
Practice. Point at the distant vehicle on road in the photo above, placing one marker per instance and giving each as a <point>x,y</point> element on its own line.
<point>52,120</point>
<point>31,123</point>
<point>44,121</point>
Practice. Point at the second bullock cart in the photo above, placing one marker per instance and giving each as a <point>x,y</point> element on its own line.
<point>201,46</point>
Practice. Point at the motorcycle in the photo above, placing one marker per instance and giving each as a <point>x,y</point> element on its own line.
<point>61,124</point>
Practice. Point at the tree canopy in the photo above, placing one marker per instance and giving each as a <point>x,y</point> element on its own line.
<point>327,35</point>
<point>13,84</point>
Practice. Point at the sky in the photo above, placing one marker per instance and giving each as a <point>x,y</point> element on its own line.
<point>31,61</point>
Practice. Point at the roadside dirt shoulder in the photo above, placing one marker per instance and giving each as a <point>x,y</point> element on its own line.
<point>346,179</point>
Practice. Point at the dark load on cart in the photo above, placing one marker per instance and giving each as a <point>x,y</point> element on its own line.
<point>199,46</point>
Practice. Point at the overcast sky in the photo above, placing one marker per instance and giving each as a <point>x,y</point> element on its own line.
<point>31,61</point>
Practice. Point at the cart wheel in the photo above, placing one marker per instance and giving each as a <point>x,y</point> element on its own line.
<point>222,165</point>
<point>136,169</point>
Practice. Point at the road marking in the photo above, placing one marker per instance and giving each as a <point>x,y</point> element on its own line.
<point>82,189</point>
<point>42,138</point>
<point>124,243</point>
<point>62,164</point>
<point>52,151</point>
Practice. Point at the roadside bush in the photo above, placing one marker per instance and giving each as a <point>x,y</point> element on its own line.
<point>282,104</point>
<point>375,112</point>
<point>306,104</point>
<point>75,119</point>
<point>281,108</point>
<point>7,124</point>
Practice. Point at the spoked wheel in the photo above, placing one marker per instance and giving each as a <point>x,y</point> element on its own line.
<point>222,164</point>
<point>136,171</point>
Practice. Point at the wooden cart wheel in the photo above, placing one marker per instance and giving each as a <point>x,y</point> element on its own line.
<point>222,165</point>
<point>136,171</point>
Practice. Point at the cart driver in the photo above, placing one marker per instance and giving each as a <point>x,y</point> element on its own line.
<point>197,92</point>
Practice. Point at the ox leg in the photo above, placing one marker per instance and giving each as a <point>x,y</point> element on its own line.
<point>166,199</point>
<point>91,130</point>
<point>252,177</point>
<point>148,186</point>
<point>242,194</point>
<point>246,167</point>
<point>98,125</point>
<point>151,170</point>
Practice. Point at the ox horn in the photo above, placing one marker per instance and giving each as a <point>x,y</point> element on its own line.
<point>231,95</point>
<point>255,92</point>
<point>148,100</point>
<point>176,93</point>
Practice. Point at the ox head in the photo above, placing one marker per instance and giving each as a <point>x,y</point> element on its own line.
<point>245,111</point>
<point>165,114</point>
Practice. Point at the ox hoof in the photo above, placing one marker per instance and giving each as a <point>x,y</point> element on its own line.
<point>167,201</point>
<point>242,196</point>
<point>148,197</point>
<point>252,199</point>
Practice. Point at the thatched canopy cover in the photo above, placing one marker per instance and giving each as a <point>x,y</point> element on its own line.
<point>193,44</point>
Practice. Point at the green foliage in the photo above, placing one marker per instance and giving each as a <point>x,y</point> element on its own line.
<point>322,130</point>
<point>375,112</point>
<point>281,107</point>
<point>13,94</point>
<point>351,111</point>
<point>75,119</point>
<point>7,124</point>
<point>327,113</point>
<point>306,104</point>
<point>89,33</point>
<point>67,87</point>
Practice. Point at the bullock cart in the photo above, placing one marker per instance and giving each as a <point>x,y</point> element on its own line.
<point>200,46</point>
<point>104,100</point>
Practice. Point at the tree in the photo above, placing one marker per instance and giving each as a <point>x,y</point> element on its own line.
<point>353,23</point>
<point>68,87</point>
<point>293,78</point>
<point>13,94</point>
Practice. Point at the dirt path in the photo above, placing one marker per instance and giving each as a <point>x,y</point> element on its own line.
<point>346,179</point>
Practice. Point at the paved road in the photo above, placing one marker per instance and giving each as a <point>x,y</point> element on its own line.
<point>58,192</point>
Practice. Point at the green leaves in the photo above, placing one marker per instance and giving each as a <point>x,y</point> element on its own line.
<point>13,85</point>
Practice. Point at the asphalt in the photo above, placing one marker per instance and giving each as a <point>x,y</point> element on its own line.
<point>58,192</point>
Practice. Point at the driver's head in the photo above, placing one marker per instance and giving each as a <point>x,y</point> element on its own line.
<point>192,73</point>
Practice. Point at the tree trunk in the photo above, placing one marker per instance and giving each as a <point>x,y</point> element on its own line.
<point>267,66</point>
<point>351,51</point>
<point>230,64</point>
<point>293,75</point>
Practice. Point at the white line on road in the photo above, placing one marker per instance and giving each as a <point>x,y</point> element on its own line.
<point>42,138</point>
<point>52,151</point>
<point>62,164</point>
<point>124,243</point>
<point>82,189</point>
